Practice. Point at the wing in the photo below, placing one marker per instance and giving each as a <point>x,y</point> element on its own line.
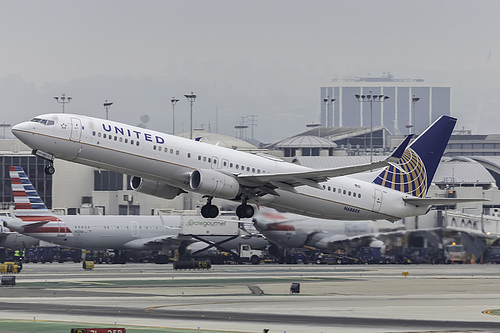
<point>145,243</point>
<point>337,239</point>
<point>470,231</point>
<point>289,180</point>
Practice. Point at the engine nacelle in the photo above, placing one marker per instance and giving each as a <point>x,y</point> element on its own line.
<point>379,244</point>
<point>155,188</point>
<point>214,183</point>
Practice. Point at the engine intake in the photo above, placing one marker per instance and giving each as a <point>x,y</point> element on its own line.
<point>155,188</point>
<point>214,183</point>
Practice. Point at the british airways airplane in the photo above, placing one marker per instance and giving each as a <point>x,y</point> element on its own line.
<point>166,166</point>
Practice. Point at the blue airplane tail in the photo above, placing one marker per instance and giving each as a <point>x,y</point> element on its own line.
<point>417,166</point>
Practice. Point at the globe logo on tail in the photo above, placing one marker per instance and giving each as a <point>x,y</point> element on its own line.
<point>412,181</point>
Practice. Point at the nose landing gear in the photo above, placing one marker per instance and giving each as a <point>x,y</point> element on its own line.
<point>49,169</point>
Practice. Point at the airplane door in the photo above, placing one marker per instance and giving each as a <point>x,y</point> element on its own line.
<point>215,162</point>
<point>377,204</point>
<point>135,229</point>
<point>225,164</point>
<point>61,229</point>
<point>76,129</point>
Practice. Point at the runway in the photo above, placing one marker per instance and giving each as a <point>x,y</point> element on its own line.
<point>247,298</point>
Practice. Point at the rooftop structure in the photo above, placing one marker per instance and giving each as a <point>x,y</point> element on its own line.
<point>395,113</point>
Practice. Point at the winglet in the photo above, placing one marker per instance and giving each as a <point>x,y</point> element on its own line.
<point>398,153</point>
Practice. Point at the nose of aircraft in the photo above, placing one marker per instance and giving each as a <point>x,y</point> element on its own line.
<point>20,130</point>
<point>19,127</point>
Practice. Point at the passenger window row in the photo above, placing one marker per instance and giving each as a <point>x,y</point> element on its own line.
<point>340,191</point>
<point>116,138</point>
<point>177,152</point>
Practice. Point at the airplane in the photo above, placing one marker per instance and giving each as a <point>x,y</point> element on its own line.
<point>290,231</point>
<point>166,166</point>
<point>145,233</point>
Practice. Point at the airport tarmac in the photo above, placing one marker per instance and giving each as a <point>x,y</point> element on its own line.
<point>248,298</point>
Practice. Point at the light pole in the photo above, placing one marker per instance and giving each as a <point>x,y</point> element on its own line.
<point>330,120</point>
<point>313,125</point>
<point>241,128</point>
<point>173,101</point>
<point>371,98</point>
<point>414,101</point>
<point>62,100</point>
<point>106,106</point>
<point>4,126</point>
<point>191,97</point>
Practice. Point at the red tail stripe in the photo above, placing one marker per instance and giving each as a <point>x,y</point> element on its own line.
<point>23,206</point>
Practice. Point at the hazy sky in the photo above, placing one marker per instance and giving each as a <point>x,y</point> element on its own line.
<point>264,58</point>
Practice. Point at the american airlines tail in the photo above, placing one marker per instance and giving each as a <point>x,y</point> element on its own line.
<point>417,166</point>
<point>28,204</point>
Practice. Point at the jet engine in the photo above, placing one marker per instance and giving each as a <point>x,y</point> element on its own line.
<point>378,243</point>
<point>214,183</point>
<point>155,188</point>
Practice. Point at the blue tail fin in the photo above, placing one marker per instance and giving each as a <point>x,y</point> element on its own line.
<point>420,160</point>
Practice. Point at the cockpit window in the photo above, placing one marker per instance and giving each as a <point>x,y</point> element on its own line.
<point>43,121</point>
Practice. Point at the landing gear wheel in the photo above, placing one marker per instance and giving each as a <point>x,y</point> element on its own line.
<point>244,211</point>
<point>213,211</point>
<point>209,211</point>
<point>50,170</point>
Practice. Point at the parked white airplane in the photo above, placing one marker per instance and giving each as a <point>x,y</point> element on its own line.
<point>159,233</point>
<point>166,165</point>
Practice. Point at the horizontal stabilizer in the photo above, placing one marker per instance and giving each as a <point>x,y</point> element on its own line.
<point>440,201</point>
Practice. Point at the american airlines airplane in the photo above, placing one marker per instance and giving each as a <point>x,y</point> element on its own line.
<point>166,166</point>
<point>145,233</point>
<point>86,231</point>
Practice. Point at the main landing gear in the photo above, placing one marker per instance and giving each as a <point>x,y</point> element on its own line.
<point>209,211</point>
<point>244,210</point>
<point>49,169</point>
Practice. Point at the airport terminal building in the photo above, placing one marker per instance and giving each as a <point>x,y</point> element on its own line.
<point>395,113</point>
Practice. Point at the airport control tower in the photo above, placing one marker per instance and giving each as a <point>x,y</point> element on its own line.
<point>401,113</point>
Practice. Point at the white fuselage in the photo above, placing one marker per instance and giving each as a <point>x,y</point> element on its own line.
<point>171,160</point>
<point>122,232</point>
<point>103,232</point>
